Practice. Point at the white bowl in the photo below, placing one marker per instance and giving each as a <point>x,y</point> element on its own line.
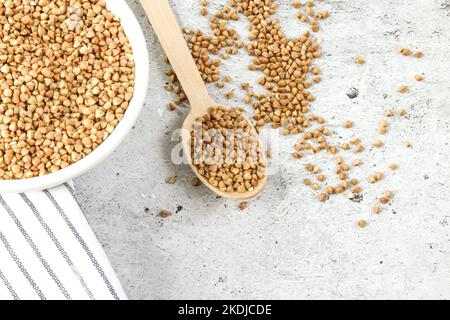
<point>137,41</point>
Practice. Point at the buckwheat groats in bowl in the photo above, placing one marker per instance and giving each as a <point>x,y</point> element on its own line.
<point>66,79</point>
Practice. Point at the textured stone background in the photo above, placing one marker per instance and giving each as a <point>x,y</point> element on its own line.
<point>286,244</point>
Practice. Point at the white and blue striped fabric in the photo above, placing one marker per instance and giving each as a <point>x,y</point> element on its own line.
<point>49,252</point>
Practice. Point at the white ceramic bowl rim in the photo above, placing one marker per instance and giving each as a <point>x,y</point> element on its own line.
<point>140,54</point>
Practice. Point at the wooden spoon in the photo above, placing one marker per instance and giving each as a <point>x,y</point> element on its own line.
<point>166,27</point>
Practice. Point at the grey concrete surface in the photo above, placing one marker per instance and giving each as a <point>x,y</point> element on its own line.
<point>286,244</point>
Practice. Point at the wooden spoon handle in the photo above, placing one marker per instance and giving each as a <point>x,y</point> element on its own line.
<point>165,25</point>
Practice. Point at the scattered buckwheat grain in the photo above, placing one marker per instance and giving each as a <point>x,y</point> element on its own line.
<point>172,180</point>
<point>348,124</point>
<point>403,89</point>
<point>196,182</point>
<point>243,206</point>
<point>360,60</point>
<point>165,214</point>
<point>393,166</point>
<point>405,51</point>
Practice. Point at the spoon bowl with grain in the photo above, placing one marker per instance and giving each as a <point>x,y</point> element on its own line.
<point>238,181</point>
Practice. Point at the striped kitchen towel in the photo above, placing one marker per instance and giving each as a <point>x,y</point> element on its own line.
<point>48,250</point>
